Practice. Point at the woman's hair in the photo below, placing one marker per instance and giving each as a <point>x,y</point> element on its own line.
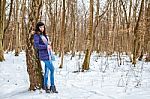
<point>37,29</point>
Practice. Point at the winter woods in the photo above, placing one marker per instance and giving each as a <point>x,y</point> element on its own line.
<point>104,26</point>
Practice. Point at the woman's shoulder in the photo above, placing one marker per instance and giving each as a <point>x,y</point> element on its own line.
<point>36,36</point>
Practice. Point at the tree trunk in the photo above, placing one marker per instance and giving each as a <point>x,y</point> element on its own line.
<point>23,26</point>
<point>137,36</point>
<point>33,63</point>
<point>10,12</point>
<point>148,53</point>
<point>62,34</point>
<point>96,22</point>
<point>85,65</point>
<point>74,5</point>
<point>127,20</point>
<point>147,33</point>
<point>17,30</point>
<point>2,17</point>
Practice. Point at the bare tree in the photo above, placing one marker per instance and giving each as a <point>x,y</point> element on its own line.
<point>86,63</point>
<point>137,38</point>
<point>62,34</point>
<point>17,29</point>
<point>2,18</point>
<point>73,23</point>
<point>147,33</point>
<point>33,63</point>
<point>114,27</point>
<point>9,17</point>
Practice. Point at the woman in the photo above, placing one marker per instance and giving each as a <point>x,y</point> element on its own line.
<point>44,49</point>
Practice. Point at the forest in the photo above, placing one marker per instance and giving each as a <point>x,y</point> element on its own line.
<point>77,28</point>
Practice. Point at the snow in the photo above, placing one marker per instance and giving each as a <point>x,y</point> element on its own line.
<point>106,79</point>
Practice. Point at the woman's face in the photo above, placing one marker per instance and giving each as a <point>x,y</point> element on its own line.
<point>41,28</point>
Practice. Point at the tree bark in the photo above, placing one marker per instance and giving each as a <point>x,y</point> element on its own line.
<point>2,18</point>
<point>85,65</point>
<point>62,34</point>
<point>137,36</point>
<point>147,33</point>
<point>17,30</point>
<point>74,7</point>
<point>33,63</point>
<point>10,12</point>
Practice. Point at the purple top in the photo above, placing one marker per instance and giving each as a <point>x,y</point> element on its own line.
<point>42,48</point>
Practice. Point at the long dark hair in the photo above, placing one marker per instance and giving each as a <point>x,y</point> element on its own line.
<point>37,29</point>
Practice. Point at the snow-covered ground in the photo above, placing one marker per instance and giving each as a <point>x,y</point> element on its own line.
<point>106,79</point>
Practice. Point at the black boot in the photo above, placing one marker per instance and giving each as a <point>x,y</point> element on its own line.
<point>47,90</point>
<point>53,89</point>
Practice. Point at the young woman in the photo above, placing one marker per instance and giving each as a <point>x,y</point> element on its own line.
<point>44,53</point>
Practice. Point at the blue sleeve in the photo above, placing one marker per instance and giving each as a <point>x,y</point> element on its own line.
<point>37,44</point>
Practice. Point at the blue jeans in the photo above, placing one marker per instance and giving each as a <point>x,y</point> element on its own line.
<point>48,67</point>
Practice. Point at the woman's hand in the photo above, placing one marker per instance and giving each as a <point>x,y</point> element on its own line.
<point>49,43</point>
<point>49,47</point>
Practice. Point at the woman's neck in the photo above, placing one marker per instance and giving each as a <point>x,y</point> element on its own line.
<point>41,33</point>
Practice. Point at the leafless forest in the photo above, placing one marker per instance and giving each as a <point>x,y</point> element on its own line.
<point>104,26</point>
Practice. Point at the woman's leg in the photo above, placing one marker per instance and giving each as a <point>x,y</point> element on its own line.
<point>51,68</point>
<point>52,87</point>
<point>46,74</point>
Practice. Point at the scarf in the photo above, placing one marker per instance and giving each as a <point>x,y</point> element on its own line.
<point>50,53</point>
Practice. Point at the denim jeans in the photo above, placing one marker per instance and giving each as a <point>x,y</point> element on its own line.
<point>48,67</point>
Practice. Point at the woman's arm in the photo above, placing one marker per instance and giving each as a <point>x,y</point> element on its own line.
<point>36,43</point>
